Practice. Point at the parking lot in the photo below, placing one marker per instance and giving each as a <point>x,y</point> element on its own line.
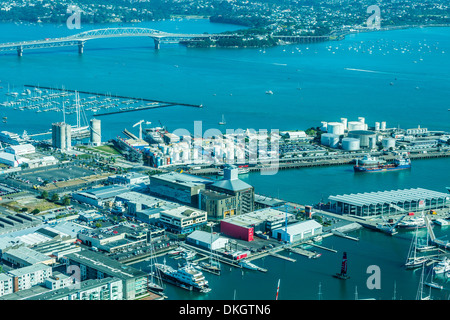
<point>55,174</point>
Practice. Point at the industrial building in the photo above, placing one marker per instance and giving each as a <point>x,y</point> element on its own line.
<point>24,256</point>
<point>179,187</point>
<point>95,265</point>
<point>27,277</point>
<point>207,240</point>
<point>298,231</point>
<point>232,185</point>
<point>99,197</point>
<point>21,149</point>
<point>388,202</point>
<point>61,136</point>
<point>131,178</point>
<point>262,221</point>
<point>95,132</point>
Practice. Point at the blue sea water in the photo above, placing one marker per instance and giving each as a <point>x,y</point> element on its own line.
<point>401,77</point>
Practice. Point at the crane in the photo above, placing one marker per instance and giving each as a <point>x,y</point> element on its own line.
<point>140,127</point>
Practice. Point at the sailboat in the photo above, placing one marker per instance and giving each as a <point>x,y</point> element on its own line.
<point>413,261</point>
<point>213,265</point>
<point>155,283</point>
<point>223,122</point>
<point>343,274</point>
<point>433,284</point>
<point>419,295</point>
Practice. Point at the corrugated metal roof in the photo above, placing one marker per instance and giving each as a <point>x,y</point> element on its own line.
<point>394,196</point>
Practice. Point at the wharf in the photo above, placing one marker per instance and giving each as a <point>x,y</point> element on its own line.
<point>281,256</point>
<point>320,247</point>
<point>304,252</point>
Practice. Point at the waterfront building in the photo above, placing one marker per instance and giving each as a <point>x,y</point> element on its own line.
<point>95,265</point>
<point>207,240</point>
<point>262,201</point>
<point>179,187</point>
<point>218,205</point>
<point>21,149</point>
<point>297,231</point>
<point>182,219</point>
<point>10,138</point>
<point>232,185</point>
<point>262,221</point>
<point>11,160</point>
<point>388,202</point>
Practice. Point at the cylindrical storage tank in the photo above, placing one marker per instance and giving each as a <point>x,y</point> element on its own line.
<point>96,132</point>
<point>355,125</point>
<point>361,119</point>
<point>383,125</point>
<point>388,143</point>
<point>344,122</point>
<point>350,144</point>
<point>324,127</point>
<point>330,139</point>
<point>364,137</point>
<point>372,142</point>
<point>377,126</point>
<point>335,128</point>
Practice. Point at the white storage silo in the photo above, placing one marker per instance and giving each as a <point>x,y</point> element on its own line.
<point>344,122</point>
<point>361,119</point>
<point>388,143</point>
<point>350,144</point>
<point>324,127</point>
<point>95,132</point>
<point>335,128</point>
<point>330,139</point>
<point>372,142</point>
<point>377,126</point>
<point>383,125</point>
<point>366,138</point>
<point>355,125</point>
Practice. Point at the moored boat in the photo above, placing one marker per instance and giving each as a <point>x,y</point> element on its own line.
<point>186,277</point>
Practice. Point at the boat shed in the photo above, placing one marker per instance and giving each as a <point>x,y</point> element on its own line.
<point>388,202</point>
<point>298,231</point>
<point>207,240</point>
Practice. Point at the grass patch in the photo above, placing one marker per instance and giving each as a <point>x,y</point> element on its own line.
<point>108,149</point>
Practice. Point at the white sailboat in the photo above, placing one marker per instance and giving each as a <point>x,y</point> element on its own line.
<point>420,294</point>
<point>413,261</point>
<point>155,283</point>
<point>213,265</point>
<point>223,122</point>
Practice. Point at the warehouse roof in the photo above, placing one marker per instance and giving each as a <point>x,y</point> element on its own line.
<point>297,228</point>
<point>182,179</point>
<point>394,196</point>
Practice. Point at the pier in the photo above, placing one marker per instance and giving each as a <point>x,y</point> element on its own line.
<point>304,252</point>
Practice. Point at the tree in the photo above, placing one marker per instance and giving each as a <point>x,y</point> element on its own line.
<point>55,197</point>
<point>66,201</point>
<point>44,194</point>
<point>35,211</point>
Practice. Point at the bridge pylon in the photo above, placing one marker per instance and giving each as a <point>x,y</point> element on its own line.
<point>80,47</point>
<point>157,43</point>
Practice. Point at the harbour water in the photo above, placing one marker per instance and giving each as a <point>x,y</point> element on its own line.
<point>401,77</point>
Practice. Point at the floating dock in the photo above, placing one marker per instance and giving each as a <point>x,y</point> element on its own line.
<point>304,252</point>
<point>273,254</point>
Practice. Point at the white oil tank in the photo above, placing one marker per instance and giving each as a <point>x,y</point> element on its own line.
<point>377,126</point>
<point>350,144</point>
<point>335,128</point>
<point>324,126</point>
<point>330,139</point>
<point>344,122</point>
<point>361,119</point>
<point>388,143</point>
<point>383,125</point>
<point>355,125</point>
